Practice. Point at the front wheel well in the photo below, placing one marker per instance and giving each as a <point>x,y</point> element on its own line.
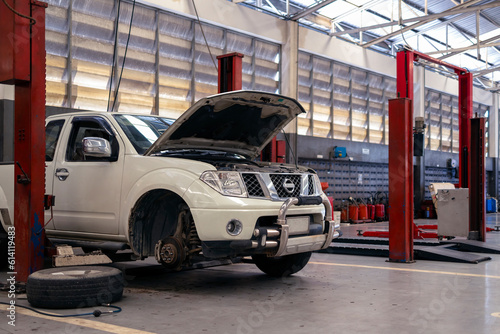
<point>153,217</point>
<point>159,214</point>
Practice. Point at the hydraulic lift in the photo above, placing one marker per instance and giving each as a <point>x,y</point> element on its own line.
<point>402,229</point>
<point>22,55</point>
<point>471,157</point>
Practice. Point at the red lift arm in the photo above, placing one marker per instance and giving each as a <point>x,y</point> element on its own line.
<point>22,63</point>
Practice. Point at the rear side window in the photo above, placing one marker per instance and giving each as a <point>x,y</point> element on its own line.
<point>52,132</point>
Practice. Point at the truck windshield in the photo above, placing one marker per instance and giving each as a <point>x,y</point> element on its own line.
<point>142,131</point>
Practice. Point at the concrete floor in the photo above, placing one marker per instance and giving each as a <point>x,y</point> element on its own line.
<point>333,294</point>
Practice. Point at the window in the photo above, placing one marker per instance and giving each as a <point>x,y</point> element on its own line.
<point>433,120</point>
<point>442,116</point>
<point>143,131</point>
<point>343,102</point>
<point>376,103</point>
<point>446,123</point>
<point>89,127</point>
<point>454,128</point>
<point>52,132</point>
<point>482,110</point>
<point>57,46</point>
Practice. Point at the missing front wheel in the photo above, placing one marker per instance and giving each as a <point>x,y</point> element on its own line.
<point>170,253</point>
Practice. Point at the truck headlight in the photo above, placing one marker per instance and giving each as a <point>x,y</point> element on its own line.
<point>226,183</point>
<point>317,182</point>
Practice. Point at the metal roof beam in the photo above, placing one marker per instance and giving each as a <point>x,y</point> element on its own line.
<point>489,19</point>
<point>458,10</point>
<point>442,23</point>
<point>310,10</point>
<point>486,71</point>
<point>459,50</point>
<point>358,9</point>
<point>273,7</point>
<point>427,18</point>
<point>489,40</point>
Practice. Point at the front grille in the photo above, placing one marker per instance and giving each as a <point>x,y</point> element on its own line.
<point>310,180</point>
<point>253,186</point>
<point>287,185</point>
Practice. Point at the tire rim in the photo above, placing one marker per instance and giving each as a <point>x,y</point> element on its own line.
<point>75,272</point>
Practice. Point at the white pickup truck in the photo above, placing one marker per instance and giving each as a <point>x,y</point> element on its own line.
<point>182,190</point>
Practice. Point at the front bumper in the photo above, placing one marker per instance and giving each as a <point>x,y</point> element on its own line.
<point>277,240</point>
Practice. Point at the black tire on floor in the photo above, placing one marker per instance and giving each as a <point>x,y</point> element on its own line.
<point>74,287</point>
<point>282,265</point>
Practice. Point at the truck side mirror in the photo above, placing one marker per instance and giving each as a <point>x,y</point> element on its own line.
<point>96,147</point>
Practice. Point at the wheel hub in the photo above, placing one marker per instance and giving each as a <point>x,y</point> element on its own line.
<point>170,252</point>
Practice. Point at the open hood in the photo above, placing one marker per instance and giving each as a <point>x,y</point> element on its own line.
<point>241,122</point>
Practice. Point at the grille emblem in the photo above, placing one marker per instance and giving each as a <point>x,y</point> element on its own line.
<point>288,185</point>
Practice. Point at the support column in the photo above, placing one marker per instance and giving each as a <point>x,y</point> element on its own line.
<point>464,115</point>
<point>493,140</point>
<point>477,192</point>
<point>401,180</point>
<point>493,126</point>
<point>419,168</point>
<point>289,60</point>
<point>419,137</point>
<point>289,79</point>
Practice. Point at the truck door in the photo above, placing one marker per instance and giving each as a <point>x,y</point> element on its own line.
<point>87,189</point>
<point>52,134</point>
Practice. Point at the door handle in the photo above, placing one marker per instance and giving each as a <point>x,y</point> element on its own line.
<point>62,174</point>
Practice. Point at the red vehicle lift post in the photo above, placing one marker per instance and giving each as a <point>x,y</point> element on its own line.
<point>230,72</point>
<point>401,163</point>
<point>22,64</point>
<point>401,180</point>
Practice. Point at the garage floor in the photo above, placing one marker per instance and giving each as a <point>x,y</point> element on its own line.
<point>333,294</point>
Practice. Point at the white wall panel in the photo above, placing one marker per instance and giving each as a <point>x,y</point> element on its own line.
<point>229,15</point>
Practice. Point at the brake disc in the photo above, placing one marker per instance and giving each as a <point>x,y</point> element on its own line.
<point>170,253</point>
